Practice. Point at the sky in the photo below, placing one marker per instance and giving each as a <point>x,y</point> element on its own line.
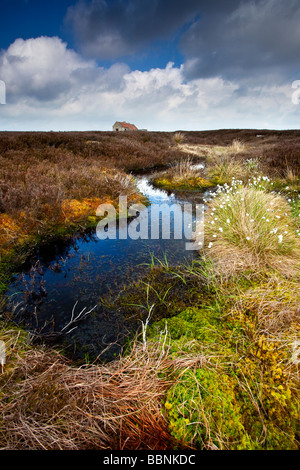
<point>164,65</point>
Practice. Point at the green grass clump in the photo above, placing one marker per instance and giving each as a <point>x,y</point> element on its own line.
<point>286,186</point>
<point>178,137</point>
<point>225,169</point>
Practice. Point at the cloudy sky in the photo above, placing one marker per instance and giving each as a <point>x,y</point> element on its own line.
<point>160,64</point>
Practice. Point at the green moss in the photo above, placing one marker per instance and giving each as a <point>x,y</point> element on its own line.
<point>217,180</point>
<point>4,276</point>
<point>192,323</point>
<point>233,409</point>
<point>184,184</point>
<point>205,410</point>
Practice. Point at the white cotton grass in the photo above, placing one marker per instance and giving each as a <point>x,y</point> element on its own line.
<point>254,227</point>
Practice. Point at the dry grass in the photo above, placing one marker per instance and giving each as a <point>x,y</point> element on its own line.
<point>197,150</point>
<point>276,307</point>
<point>291,175</point>
<point>49,404</point>
<point>184,170</point>
<point>178,137</point>
<point>237,146</point>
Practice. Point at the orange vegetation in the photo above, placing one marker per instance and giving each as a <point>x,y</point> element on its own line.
<point>10,233</point>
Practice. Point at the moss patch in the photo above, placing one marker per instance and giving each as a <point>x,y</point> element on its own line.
<point>185,184</point>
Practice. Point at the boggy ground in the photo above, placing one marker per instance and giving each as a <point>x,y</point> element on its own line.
<point>52,183</point>
<point>216,365</point>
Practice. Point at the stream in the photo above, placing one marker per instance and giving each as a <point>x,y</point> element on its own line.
<point>69,277</point>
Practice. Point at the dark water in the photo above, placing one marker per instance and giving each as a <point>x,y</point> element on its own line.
<point>71,276</point>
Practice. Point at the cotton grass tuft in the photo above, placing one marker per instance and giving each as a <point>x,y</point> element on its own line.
<point>255,229</point>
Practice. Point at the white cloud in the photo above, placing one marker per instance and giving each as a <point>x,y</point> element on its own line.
<point>139,83</point>
<point>41,68</point>
<point>52,87</point>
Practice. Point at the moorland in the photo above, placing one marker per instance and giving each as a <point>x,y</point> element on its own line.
<point>216,363</point>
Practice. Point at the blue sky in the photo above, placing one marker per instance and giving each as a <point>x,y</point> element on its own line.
<point>32,18</point>
<point>163,65</point>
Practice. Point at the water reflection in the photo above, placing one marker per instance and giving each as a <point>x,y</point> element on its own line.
<point>83,271</point>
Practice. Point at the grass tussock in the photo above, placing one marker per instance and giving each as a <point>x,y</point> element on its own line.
<point>237,146</point>
<point>223,168</point>
<point>291,175</point>
<point>184,175</point>
<point>178,137</point>
<point>249,228</point>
